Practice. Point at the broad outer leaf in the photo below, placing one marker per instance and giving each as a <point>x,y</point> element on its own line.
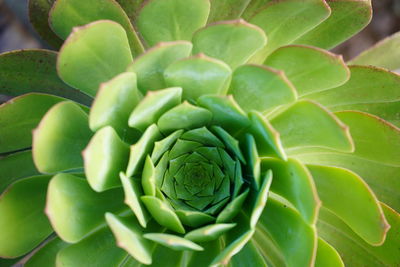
<point>27,71</point>
<point>87,59</point>
<point>308,68</point>
<point>60,138</point>
<point>175,19</point>
<point>294,182</point>
<point>307,124</point>
<point>19,116</point>
<point>261,88</point>
<point>150,66</point>
<point>349,197</point>
<point>355,251</point>
<point>233,42</point>
<point>114,101</point>
<point>128,235</point>
<point>370,89</point>
<point>75,210</point>
<point>296,240</point>
<point>46,255</point>
<point>153,105</point>
<point>377,162</point>
<point>12,170</point>
<point>248,254</point>
<point>327,256</point>
<point>98,249</point>
<point>285,21</point>
<point>38,10</point>
<point>198,75</point>
<point>226,9</point>
<point>347,18</point>
<point>384,54</point>
<point>67,14</point>
<point>22,221</point>
<point>104,157</point>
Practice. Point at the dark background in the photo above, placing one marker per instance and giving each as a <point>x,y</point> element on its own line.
<point>16,33</point>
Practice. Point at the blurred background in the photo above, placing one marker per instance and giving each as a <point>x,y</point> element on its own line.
<point>16,32</point>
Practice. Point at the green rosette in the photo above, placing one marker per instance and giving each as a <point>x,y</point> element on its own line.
<point>219,137</point>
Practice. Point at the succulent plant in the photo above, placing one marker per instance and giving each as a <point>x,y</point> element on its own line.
<point>220,133</point>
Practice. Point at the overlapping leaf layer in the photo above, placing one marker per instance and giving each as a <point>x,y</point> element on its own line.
<point>217,136</point>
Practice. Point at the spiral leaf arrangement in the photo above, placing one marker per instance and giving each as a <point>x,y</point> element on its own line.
<point>206,144</point>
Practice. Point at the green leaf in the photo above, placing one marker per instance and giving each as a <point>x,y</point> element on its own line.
<point>233,42</point>
<point>128,235</point>
<point>26,71</point>
<point>60,138</point>
<point>365,130</point>
<point>194,218</point>
<point>184,116</point>
<point>46,255</point>
<point>260,88</point>
<point>294,182</point>
<point>232,248</point>
<point>307,124</point>
<point>173,241</point>
<point>309,69</point>
<point>377,162</point>
<point>16,166</point>
<point>226,9</point>
<point>252,169</point>
<point>148,177</point>
<point>154,104</point>
<point>209,233</point>
<point>75,210</point>
<point>369,89</point>
<point>104,157</point>
<point>114,101</point>
<point>267,138</point>
<point>161,147</point>
<point>259,200</point>
<point>67,14</point>
<point>163,214</point>
<point>347,18</point>
<point>9,262</point>
<point>249,253</point>
<point>253,7</point>
<point>285,21</point>
<point>86,59</point>
<point>233,208</point>
<point>140,150</point>
<point>133,191</point>
<point>205,257</point>
<point>295,238</point>
<point>150,66</point>
<point>39,9</point>
<point>98,249</point>
<point>353,249</point>
<point>226,112</point>
<point>327,256</point>
<point>199,75</point>
<point>23,223</point>
<point>269,249</point>
<point>175,19</point>
<point>230,142</point>
<point>19,116</point>
<point>384,54</point>
<point>338,188</point>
